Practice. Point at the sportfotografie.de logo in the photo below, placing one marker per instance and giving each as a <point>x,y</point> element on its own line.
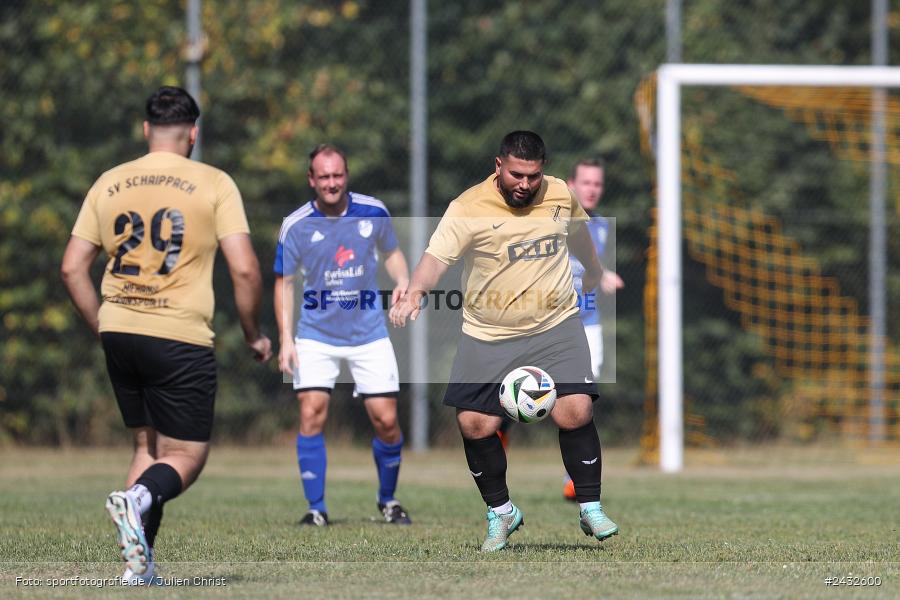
<point>453,300</point>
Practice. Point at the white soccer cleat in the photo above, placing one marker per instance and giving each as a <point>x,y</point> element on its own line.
<point>127,518</point>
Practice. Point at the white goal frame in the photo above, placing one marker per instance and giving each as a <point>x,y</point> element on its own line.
<point>670,79</point>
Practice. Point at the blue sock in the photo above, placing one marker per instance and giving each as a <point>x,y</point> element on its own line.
<point>312,459</point>
<point>387,462</point>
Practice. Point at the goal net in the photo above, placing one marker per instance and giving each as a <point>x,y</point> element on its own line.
<point>763,329</point>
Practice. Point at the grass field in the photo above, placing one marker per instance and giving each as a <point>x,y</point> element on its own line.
<point>768,523</point>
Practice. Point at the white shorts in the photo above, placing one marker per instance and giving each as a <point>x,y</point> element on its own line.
<point>594,335</point>
<point>373,366</point>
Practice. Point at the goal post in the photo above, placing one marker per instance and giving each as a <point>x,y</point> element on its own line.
<point>670,80</point>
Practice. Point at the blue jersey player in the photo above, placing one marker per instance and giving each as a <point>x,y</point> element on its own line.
<point>332,244</point>
<point>586,181</point>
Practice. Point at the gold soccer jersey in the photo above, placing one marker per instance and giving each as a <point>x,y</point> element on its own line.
<point>160,218</point>
<point>516,277</point>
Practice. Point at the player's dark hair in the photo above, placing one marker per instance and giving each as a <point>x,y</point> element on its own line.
<point>326,148</point>
<point>171,105</point>
<point>526,145</point>
<point>587,162</point>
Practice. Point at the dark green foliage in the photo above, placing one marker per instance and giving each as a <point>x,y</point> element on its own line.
<point>281,76</point>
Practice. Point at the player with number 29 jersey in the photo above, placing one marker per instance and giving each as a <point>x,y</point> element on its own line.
<point>160,218</point>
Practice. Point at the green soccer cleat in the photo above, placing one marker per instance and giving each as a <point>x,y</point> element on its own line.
<point>595,522</point>
<point>500,527</point>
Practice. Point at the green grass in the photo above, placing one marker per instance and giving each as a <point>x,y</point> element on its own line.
<point>769,523</point>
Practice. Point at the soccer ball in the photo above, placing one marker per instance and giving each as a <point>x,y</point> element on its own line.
<point>527,394</point>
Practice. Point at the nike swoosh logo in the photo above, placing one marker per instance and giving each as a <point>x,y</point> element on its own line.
<point>498,226</point>
<point>478,474</point>
<point>590,462</point>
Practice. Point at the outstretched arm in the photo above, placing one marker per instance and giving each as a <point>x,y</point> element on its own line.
<point>428,272</point>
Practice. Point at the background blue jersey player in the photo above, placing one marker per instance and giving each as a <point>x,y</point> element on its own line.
<point>332,243</point>
<point>587,181</point>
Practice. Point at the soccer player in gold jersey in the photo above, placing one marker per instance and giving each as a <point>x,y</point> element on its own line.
<point>514,232</point>
<point>160,219</point>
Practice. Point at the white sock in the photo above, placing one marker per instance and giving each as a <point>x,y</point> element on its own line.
<point>585,505</point>
<point>142,497</point>
<point>504,509</point>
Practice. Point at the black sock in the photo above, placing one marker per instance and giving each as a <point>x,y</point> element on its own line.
<point>163,482</point>
<point>151,523</point>
<point>487,462</point>
<point>580,449</point>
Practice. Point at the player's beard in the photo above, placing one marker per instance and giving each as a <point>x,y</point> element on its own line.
<point>510,198</point>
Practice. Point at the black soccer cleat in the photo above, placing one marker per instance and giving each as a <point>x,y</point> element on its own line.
<point>394,513</point>
<point>315,518</point>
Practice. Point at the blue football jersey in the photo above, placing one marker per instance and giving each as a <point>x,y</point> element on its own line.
<point>590,311</point>
<point>336,258</point>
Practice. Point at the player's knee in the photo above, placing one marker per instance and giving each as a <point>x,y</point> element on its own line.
<point>573,411</point>
<point>312,420</point>
<point>313,402</point>
<point>310,411</point>
<point>474,426</point>
<point>386,424</point>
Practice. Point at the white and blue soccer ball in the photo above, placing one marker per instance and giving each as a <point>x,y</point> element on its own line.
<point>527,394</point>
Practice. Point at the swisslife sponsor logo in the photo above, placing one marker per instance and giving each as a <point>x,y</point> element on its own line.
<point>337,277</point>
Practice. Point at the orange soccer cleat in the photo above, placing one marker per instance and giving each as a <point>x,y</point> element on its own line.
<point>504,438</point>
<point>569,489</point>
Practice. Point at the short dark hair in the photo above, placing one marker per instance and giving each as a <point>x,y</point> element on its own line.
<point>526,145</point>
<point>588,162</point>
<point>171,105</point>
<point>329,149</point>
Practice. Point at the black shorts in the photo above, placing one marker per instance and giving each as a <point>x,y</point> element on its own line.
<point>480,366</point>
<point>159,383</point>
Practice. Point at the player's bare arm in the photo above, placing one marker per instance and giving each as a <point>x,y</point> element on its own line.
<point>284,316</point>
<point>244,269</point>
<point>428,272</point>
<point>398,271</point>
<point>76,275</point>
<point>582,247</point>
